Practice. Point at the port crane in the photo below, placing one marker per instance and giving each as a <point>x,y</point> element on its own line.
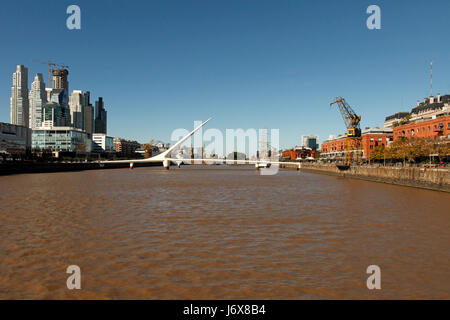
<point>50,64</point>
<point>353,135</point>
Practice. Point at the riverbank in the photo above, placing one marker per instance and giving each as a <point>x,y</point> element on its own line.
<point>426,178</point>
<point>9,168</point>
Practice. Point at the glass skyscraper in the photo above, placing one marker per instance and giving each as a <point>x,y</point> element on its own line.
<point>100,116</point>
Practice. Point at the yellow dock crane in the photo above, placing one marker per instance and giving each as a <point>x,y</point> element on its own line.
<point>352,150</point>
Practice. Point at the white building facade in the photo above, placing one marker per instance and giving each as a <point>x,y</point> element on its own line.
<point>76,106</point>
<point>19,105</point>
<point>102,143</point>
<point>37,99</point>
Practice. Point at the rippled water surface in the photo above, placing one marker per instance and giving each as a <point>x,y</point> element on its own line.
<point>219,232</point>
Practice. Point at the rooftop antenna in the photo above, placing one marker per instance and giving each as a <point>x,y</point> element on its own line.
<point>431,78</point>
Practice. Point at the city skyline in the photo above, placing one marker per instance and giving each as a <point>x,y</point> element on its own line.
<point>284,63</point>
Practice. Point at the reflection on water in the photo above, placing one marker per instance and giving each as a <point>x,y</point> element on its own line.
<point>219,232</point>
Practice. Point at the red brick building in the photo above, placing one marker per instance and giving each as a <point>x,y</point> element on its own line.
<point>126,148</point>
<point>438,127</point>
<point>370,139</point>
<point>298,153</point>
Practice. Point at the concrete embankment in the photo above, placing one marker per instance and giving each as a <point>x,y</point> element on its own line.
<point>427,178</point>
<point>43,167</point>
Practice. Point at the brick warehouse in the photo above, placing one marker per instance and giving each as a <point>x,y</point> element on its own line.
<point>370,139</point>
<point>438,127</point>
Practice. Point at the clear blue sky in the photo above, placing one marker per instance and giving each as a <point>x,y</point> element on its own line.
<point>160,65</point>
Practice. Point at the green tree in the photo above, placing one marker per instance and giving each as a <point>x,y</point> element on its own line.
<point>378,153</point>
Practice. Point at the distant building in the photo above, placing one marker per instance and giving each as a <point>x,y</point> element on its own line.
<point>60,139</point>
<point>395,118</point>
<point>49,93</point>
<point>428,119</point>
<point>56,112</point>
<point>102,143</point>
<point>126,148</point>
<point>298,153</point>
<point>100,117</point>
<point>310,141</point>
<point>76,106</point>
<point>37,99</point>
<point>430,108</point>
<point>14,139</point>
<point>60,80</point>
<point>88,113</point>
<point>19,105</point>
<point>60,96</point>
<point>55,115</point>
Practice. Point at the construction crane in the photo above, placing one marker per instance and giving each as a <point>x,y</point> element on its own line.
<point>353,136</point>
<point>50,64</point>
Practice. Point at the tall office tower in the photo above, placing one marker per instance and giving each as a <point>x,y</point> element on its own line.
<point>76,106</point>
<point>19,105</point>
<point>37,98</point>
<point>88,113</point>
<point>87,98</point>
<point>100,116</point>
<point>60,79</point>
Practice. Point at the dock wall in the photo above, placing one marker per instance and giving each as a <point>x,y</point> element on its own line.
<point>428,178</point>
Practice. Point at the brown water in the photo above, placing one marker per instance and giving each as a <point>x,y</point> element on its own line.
<point>218,232</point>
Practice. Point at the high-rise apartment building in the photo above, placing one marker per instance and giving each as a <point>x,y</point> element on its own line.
<point>76,106</point>
<point>37,99</point>
<point>60,79</point>
<point>100,117</point>
<point>19,104</point>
